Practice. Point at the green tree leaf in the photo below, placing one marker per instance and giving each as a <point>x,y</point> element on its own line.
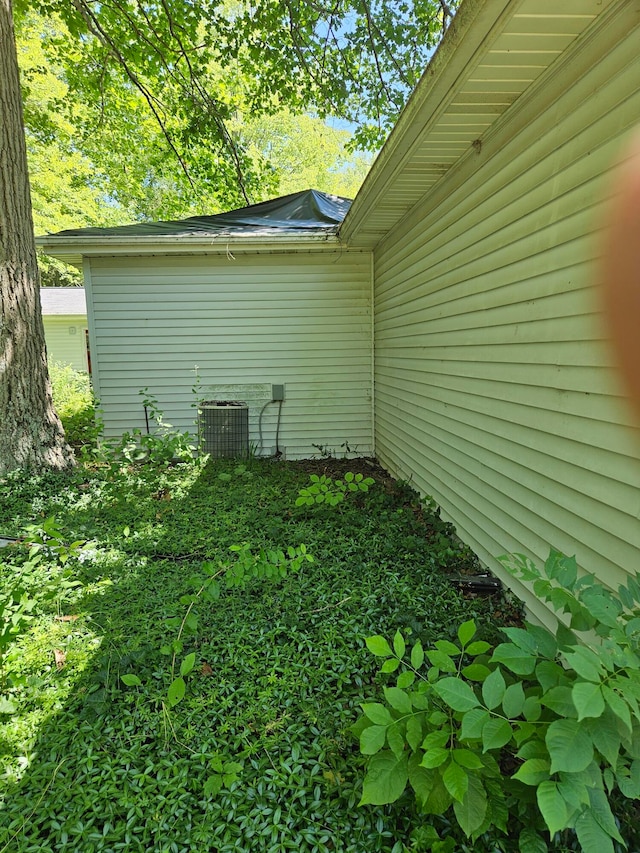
<point>473,722</point>
<point>417,655</point>
<point>457,694</point>
<point>441,660</point>
<point>414,731</point>
<point>434,757</point>
<point>588,699</point>
<point>513,700</point>
<point>495,734</point>
<point>372,739</point>
<point>553,807</point>
<point>398,699</point>
<point>493,689</point>
<point>456,780</point>
<point>390,665</point>
<point>466,632</point>
<point>378,646</point>
<point>592,837</point>
<point>530,842</point>
<point>385,780</point>
<point>399,645</point>
<point>377,713</point>
<point>131,680</point>
<point>514,658</point>
<point>405,679</point>
<point>533,771</point>
<point>471,811</point>
<point>570,747</point>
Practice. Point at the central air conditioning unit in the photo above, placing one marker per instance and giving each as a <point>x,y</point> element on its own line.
<point>223,428</point>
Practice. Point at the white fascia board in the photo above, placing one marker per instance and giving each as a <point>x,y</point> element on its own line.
<point>73,249</point>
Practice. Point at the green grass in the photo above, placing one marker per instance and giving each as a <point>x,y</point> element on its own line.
<point>281,667</point>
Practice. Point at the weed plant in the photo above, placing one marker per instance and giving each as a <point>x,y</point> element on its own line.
<point>258,755</point>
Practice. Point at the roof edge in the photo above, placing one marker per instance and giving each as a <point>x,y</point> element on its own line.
<point>73,249</point>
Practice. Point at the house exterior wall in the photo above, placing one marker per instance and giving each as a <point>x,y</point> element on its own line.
<point>301,319</point>
<point>65,337</point>
<point>493,385</point>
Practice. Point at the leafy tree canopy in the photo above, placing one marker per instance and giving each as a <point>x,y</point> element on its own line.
<point>195,84</point>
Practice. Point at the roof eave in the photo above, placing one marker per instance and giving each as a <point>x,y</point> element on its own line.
<point>467,32</point>
<point>73,249</point>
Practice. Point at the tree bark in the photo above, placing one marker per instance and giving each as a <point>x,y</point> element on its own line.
<point>31,435</point>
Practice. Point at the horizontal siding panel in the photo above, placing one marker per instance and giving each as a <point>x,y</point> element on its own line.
<point>493,382</point>
<point>539,503</point>
<point>302,321</point>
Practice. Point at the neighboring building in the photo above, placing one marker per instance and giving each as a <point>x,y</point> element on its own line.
<point>471,249</point>
<point>64,313</point>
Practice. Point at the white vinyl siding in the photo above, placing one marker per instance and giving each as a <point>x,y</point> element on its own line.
<point>493,384</point>
<point>302,320</point>
<point>66,340</point>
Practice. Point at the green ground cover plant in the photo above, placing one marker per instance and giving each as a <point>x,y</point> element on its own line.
<point>256,754</point>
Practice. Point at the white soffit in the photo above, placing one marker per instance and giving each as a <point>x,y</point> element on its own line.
<point>491,54</point>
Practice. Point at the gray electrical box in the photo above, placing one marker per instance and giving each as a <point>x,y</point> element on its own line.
<point>277,393</point>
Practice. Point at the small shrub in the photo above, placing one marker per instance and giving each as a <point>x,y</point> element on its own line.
<point>532,737</point>
<point>75,404</point>
<point>332,492</point>
<point>162,447</point>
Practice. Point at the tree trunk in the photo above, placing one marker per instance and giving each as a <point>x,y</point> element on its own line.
<point>31,435</point>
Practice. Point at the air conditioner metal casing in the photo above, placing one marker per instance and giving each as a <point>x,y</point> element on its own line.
<point>223,428</point>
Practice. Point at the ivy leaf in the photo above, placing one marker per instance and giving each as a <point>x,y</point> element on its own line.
<point>372,739</point>
<point>386,779</point>
<point>457,694</point>
<point>378,646</point>
<point>552,807</point>
<point>471,811</point>
<point>588,699</point>
<point>213,785</point>
<point>570,747</point>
